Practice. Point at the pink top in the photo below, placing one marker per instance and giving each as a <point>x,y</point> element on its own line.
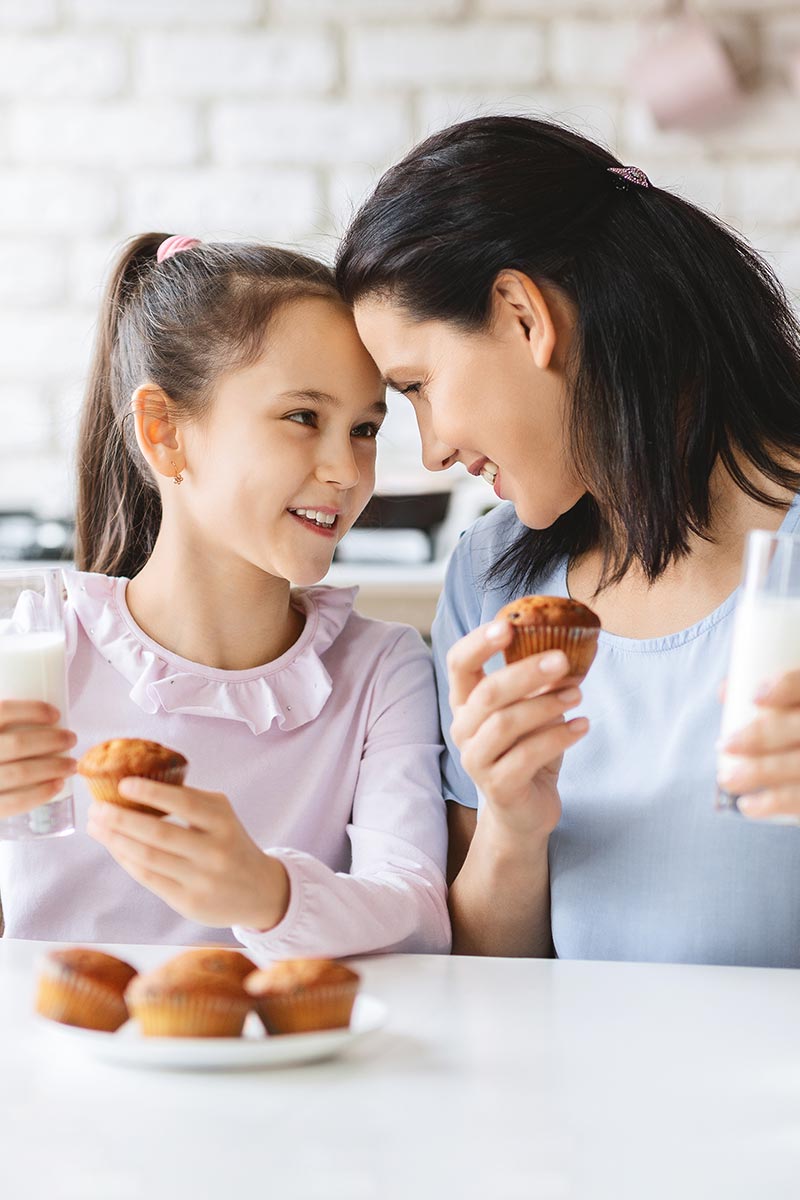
<point>329,755</point>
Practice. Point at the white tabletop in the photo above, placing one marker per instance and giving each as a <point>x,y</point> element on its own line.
<point>497,1079</point>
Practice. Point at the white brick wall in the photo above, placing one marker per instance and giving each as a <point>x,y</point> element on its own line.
<point>273,118</point>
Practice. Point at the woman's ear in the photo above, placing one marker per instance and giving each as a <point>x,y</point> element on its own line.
<point>157,435</point>
<point>518,302</point>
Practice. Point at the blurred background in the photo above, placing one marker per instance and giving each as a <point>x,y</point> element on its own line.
<point>272,118</point>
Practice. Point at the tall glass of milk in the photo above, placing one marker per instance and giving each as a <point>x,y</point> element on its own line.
<point>33,667</point>
<point>766,630</point>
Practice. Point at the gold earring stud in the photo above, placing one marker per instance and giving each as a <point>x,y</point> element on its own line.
<point>177,477</point>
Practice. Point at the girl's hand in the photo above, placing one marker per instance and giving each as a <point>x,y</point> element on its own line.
<point>766,775</point>
<point>32,748</point>
<point>212,872</point>
<point>510,729</point>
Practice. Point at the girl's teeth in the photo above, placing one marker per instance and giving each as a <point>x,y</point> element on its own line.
<point>489,472</point>
<point>319,518</point>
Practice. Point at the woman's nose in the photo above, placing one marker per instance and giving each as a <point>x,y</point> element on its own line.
<point>436,456</point>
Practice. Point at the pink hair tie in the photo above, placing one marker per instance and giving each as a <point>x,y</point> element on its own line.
<point>633,175</point>
<point>174,245</point>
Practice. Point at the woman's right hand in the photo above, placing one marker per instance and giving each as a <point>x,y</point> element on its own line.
<point>33,762</point>
<point>510,729</point>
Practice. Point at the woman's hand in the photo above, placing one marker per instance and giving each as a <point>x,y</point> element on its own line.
<point>510,729</point>
<point>212,872</point>
<point>766,773</point>
<point>33,765</point>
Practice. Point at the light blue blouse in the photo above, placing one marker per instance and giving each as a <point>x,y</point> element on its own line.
<point>642,867</point>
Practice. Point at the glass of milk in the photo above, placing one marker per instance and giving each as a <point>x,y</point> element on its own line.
<point>766,631</point>
<point>33,667</point>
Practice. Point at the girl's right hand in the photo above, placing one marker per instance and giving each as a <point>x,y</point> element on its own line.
<point>33,765</point>
<point>509,727</point>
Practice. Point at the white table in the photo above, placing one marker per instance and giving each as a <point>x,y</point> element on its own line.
<point>495,1079</point>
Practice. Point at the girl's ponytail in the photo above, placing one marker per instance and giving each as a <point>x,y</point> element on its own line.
<point>118,508</point>
<point>178,324</point>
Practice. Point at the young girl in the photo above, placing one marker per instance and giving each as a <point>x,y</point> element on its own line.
<point>625,372</point>
<point>227,444</point>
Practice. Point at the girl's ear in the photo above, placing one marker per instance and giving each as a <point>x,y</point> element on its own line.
<point>519,303</point>
<point>156,434</point>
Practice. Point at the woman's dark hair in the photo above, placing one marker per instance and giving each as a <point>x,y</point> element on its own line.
<point>685,351</point>
<point>180,324</point>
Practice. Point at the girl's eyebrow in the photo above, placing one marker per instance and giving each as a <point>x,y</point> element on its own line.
<point>326,398</point>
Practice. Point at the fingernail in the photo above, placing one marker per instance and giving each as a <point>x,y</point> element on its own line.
<point>751,806</point>
<point>579,725</point>
<point>569,695</point>
<point>553,663</point>
<point>496,631</point>
<point>765,691</point>
<point>129,786</point>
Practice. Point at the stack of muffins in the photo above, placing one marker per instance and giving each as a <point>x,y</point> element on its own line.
<point>205,992</point>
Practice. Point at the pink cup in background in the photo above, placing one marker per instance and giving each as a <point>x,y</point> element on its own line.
<point>794,72</point>
<point>685,77</point>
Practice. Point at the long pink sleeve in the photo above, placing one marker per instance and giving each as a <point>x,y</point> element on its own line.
<point>394,897</point>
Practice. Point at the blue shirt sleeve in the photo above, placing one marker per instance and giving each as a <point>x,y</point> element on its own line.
<point>458,611</point>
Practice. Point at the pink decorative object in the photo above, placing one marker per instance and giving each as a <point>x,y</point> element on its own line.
<point>174,245</point>
<point>794,72</point>
<point>685,77</point>
<point>631,175</point>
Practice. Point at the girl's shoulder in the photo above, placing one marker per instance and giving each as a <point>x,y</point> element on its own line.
<point>333,610</point>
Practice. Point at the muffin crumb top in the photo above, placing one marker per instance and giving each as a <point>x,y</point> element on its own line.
<point>549,611</point>
<point>298,974</point>
<point>128,756</point>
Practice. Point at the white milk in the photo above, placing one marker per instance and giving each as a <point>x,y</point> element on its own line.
<point>33,667</point>
<point>766,643</point>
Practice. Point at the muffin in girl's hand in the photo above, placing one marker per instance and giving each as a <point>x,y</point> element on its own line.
<point>84,987</point>
<point>553,623</point>
<point>192,996</point>
<point>106,764</point>
<point>302,995</point>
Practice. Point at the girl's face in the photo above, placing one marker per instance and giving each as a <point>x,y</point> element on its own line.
<point>284,462</point>
<point>483,399</point>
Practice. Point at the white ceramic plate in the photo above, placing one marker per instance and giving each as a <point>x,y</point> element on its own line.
<point>254,1049</point>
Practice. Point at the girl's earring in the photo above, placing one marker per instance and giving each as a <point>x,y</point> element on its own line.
<point>177,477</point>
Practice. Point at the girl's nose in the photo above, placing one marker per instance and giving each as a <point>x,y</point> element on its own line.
<point>340,468</point>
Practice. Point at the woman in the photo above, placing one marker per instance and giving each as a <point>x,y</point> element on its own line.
<point>625,372</point>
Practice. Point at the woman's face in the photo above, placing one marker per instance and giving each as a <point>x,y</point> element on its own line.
<point>285,460</point>
<point>483,399</point>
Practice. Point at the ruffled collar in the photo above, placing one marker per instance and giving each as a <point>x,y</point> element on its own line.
<point>291,691</point>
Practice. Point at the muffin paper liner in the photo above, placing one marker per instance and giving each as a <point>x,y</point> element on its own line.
<point>578,643</point>
<point>76,1000</point>
<point>308,1011</point>
<point>105,787</point>
<point>191,1015</point>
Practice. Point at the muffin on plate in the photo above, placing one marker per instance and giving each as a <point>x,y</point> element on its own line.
<point>84,987</point>
<point>552,623</point>
<point>302,995</point>
<point>106,764</point>
<point>186,997</point>
<point>218,960</point>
